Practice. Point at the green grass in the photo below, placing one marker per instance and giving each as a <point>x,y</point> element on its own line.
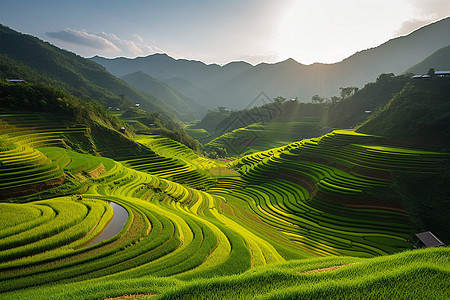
<point>258,137</point>
<point>194,231</point>
<point>420,274</point>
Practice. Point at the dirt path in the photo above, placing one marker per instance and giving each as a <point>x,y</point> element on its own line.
<point>132,296</point>
<point>327,269</point>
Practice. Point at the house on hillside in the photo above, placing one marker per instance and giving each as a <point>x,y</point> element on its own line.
<point>432,73</point>
<point>420,76</point>
<point>442,73</point>
<point>428,239</point>
<point>16,81</point>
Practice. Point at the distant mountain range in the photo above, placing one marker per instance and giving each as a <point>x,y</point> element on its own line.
<point>440,60</point>
<point>237,84</point>
<point>29,58</point>
<point>186,108</point>
<point>186,89</point>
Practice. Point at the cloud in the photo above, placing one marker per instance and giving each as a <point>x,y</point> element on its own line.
<point>425,12</point>
<point>411,25</point>
<point>103,43</point>
<point>80,37</point>
<point>434,9</point>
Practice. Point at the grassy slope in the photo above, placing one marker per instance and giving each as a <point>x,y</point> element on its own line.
<point>266,127</point>
<point>88,127</point>
<point>421,274</point>
<point>259,137</point>
<point>79,76</point>
<point>419,117</point>
<point>225,241</point>
<point>205,227</point>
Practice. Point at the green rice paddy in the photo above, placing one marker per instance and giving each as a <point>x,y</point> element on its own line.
<point>310,219</point>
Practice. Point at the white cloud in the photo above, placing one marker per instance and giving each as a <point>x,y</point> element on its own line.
<point>411,25</point>
<point>104,44</point>
<point>138,37</point>
<point>81,37</point>
<point>425,12</point>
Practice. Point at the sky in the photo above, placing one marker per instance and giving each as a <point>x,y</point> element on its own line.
<point>309,31</point>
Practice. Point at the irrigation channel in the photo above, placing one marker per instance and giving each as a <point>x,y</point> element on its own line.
<point>120,217</point>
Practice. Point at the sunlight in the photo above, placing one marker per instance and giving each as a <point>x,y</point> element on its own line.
<point>327,32</point>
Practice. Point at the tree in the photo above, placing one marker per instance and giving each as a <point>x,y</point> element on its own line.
<point>222,152</point>
<point>279,100</point>
<point>318,99</point>
<point>347,92</point>
<point>335,99</point>
<point>385,76</point>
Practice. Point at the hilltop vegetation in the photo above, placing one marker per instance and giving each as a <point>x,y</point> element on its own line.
<point>356,108</point>
<point>77,75</point>
<point>271,125</point>
<point>282,121</point>
<point>96,128</point>
<point>418,116</point>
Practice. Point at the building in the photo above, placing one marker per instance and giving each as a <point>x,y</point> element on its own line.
<point>421,76</point>
<point>16,81</point>
<point>434,74</point>
<point>428,239</point>
<point>442,73</point>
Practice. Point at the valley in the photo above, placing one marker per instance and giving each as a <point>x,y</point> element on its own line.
<point>109,191</point>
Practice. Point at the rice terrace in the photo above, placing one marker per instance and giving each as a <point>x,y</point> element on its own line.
<point>119,180</point>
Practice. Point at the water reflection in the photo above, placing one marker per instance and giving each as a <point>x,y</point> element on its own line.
<point>120,217</point>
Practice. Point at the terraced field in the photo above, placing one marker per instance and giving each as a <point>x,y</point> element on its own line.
<point>317,197</point>
<point>173,160</point>
<point>258,137</point>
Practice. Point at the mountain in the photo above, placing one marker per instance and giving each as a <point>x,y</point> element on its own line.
<point>185,108</point>
<point>192,76</point>
<point>236,85</point>
<point>418,116</point>
<point>439,60</point>
<point>373,97</point>
<point>87,126</point>
<point>29,58</point>
<point>189,89</point>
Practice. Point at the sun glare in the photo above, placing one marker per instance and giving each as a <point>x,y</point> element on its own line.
<point>322,31</point>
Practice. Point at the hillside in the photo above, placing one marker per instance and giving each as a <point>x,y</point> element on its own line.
<point>282,121</point>
<point>237,84</point>
<point>90,128</point>
<point>418,116</point>
<point>185,108</point>
<point>414,274</point>
<point>353,110</point>
<point>26,57</point>
<point>192,226</point>
<point>261,128</point>
<point>439,60</point>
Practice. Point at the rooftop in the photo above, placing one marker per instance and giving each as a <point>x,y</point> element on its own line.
<point>429,239</point>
